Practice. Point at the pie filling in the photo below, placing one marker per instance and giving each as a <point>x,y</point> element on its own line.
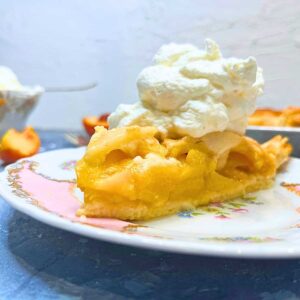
<point>131,173</point>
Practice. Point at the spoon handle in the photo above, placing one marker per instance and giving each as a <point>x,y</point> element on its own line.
<point>63,89</point>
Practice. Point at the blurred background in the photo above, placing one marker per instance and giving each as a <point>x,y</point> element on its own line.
<point>76,42</point>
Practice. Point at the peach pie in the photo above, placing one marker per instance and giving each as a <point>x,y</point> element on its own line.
<point>288,117</point>
<point>182,144</point>
<point>130,174</point>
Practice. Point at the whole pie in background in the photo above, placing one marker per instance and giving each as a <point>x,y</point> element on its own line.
<point>288,117</point>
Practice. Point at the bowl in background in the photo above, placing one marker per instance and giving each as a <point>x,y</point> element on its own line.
<point>16,106</point>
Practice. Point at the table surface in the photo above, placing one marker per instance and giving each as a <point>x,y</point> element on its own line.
<point>41,262</point>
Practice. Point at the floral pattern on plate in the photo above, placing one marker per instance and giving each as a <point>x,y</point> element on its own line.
<point>293,187</point>
<point>68,165</point>
<point>223,210</point>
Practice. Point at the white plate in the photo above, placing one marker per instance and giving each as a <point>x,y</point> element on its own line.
<point>265,224</point>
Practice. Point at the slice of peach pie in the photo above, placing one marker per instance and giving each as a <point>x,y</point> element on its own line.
<point>130,174</point>
<point>182,144</point>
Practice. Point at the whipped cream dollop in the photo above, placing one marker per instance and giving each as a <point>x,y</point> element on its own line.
<point>188,91</point>
<point>9,80</point>
<point>11,89</point>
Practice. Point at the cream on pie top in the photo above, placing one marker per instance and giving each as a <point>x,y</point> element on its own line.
<point>193,92</point>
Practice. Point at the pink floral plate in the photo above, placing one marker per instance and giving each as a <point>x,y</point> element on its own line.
<point>264,224</point>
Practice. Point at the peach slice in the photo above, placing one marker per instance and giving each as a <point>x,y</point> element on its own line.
<point>19,144</point>
<point>2,101</point>
<point>91,122</point>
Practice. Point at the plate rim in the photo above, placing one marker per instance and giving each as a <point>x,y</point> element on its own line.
<point>201,248</point>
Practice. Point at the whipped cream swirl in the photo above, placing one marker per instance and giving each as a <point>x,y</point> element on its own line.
<point>188,91</point>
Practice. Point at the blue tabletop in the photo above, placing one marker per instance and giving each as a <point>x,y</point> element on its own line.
<point>41,262</point>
